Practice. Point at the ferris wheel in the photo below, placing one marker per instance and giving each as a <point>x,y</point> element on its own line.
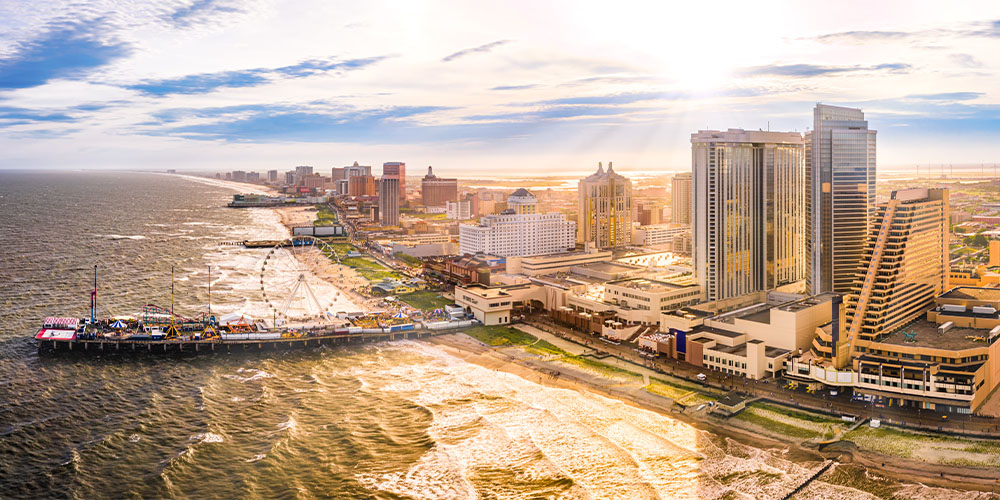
<point>288,282</point>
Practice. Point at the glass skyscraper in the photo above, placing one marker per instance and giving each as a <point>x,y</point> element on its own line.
<point>749,210</point>
<point>840,170</point>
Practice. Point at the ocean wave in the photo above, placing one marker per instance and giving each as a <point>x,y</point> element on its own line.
<point>123,237</point>
<point>134,438</point>
<point>259,456</point>
<point>206,437</point>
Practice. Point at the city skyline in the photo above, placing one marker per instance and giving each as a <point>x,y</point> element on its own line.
<point>204,85</point>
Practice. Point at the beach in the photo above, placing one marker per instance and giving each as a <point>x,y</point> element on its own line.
<point>517,361</point>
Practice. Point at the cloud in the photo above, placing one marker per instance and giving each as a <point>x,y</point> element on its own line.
<point>267,123</point>
<point>984,29</point>
<point>554,113</point>
<point>810,70</point>
<point>482,48</point>
<point>966,60</point>
<point>948,96</point>
<point>208,82</point>
<point>10,116</point>
<point>515,87</point>
<point>199,11</point>
<point>64,51</point>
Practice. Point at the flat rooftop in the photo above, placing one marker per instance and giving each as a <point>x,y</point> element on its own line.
<point>609,267</point>
<point>927,336</point>
<point>972,293</point>
<point>647,285</point>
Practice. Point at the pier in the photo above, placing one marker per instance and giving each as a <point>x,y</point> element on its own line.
<point>111,345</point>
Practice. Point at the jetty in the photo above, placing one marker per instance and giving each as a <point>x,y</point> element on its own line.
<point>287,341</point>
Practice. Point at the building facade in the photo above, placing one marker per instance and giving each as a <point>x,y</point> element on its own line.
<point>388,200</point>
<point>905,264</point>
<point>605,209</point>
<point>397,169</point>
<point>361,185</point>
<point>513,235</point>
<point>748,210</point>
<point>681,191</point>
<point>437,191</point>
<point>841,177</point>
<point>458,210</point>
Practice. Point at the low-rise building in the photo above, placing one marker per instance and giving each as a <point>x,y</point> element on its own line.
<point>558,262</point>
<point>496,305</point>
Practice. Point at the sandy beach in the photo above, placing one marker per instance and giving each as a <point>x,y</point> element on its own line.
<point>516,361</point>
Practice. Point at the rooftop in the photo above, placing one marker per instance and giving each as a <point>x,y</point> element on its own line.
<point>972,293</point>
<point>608,267</point>
<point>646,285</point>
<point>927,336</point>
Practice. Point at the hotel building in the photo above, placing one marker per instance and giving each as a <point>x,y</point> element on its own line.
<point>748,210</point>
<point>605,209</point>
<point>437,191</point>
<point>398,170</point>
<point>519,231</point>
<point>388,200</point>
<point>680,190</point>
<point>840,154</point>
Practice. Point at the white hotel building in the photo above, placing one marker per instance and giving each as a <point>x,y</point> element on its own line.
<point>518,231</point>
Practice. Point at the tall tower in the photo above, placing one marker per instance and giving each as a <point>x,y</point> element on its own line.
<point>388,200</point>
<point>605,209</point>
<point>841,200</point>
<point>397,169</point>
<point>680,190</point>
<point>749,210</point>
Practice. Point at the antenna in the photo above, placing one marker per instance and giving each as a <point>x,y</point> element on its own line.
<point>171,295</point>
<point>93,300</point>
<point>209,293</point>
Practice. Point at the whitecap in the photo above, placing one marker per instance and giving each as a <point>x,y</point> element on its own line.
<point>134,438</point>
<point>260,456</point>
<point>124,237</point>
<point>206,437</point>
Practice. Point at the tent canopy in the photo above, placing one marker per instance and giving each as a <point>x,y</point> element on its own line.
<point>118,324</point>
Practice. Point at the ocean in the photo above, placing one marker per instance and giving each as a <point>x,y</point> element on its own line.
<point>392,420</point>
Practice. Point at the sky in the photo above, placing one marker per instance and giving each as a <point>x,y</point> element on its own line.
<point>481,88</point>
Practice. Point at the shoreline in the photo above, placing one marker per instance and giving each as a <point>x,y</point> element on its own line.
<point>503,358</point>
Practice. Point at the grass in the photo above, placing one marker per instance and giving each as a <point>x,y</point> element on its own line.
<point>425,300</point>
<point>426,216</point>
<point>687,395</point>
<point>788,422</point>
<point>927,447</point>
<point>499,335</point>
<point>408,259</point>
<point>341,249</point>
<point>325,216</point>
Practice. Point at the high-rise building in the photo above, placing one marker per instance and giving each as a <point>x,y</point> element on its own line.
<point>290,177</point>
<point>438,191</point>
<point>398,169</point>
<point>904,264</point>
<point>302,171</point>
<point>338,174</point>
<point>361,185</point>
<point>518,231</point>
<point>605,209</point>
<point>841,175</point>
<point>356,169</point>
<point>253,176</point>
<point>239,175</point>
<point>272,176</point>
<point>388,200</point>
<point>748,210</point>
<point>646,213</point>
<point>680,190</point>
